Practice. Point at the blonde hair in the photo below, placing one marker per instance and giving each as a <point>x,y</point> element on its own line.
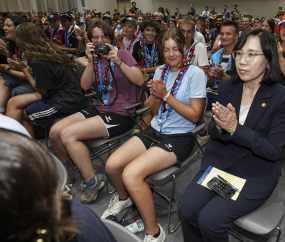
<point>158,15</point>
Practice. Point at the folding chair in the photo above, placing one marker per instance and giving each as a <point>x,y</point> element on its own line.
<point>98,147</point>
<point>160,178</point>
<point>268,216</point>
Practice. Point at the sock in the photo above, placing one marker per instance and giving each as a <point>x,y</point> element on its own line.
<point>123,199</point>
<point>67,163</point>
<point>90,182</point>
<point>156,235</point>
<point>2,110</point>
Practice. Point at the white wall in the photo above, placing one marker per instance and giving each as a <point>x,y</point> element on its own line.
<point>257,8</point>
<point>102,5</point>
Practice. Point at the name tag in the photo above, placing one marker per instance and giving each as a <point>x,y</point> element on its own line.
<point>106,97</point>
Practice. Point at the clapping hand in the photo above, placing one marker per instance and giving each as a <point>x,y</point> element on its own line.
<point>157,88</point>
<point>18,66</point>
<point>225,117</point>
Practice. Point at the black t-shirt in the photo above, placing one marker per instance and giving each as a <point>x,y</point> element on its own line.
<point>73,42</point>
<point>62,83</point>
<point>137,54</point>
<point>234,11</point>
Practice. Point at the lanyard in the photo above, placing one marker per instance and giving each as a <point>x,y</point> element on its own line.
<point>17,54</point>
<point>149,59</point>
<point>67,36</point>
<point>103,87</point>
<point>137,32</point>
<point>190,53</point>
<point>132,41</point>
<point>175,87</point>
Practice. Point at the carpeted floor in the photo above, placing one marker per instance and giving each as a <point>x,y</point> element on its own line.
<point>183,180</point>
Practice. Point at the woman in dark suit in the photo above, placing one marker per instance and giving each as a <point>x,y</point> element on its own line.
<point>247,139</point>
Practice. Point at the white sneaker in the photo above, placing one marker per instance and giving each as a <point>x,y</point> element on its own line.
<point>160,238</point>
<point>116,206</point>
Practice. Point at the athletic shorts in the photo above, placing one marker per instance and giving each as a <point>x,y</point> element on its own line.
<point>180,144</point>
<point>115,124</point>
<point>42,113</point>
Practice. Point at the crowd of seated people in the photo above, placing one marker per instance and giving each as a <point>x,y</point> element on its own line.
<point>232,58</point>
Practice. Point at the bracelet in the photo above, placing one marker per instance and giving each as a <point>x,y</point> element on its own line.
<point>120,63</point>
<point>166,97</point>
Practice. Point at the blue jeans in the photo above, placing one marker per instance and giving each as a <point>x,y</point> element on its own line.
<point>16,85</point>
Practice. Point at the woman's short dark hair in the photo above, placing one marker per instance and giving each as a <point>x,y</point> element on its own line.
<point>175,34</point>
<point>271,24</point>
<point>269,49</point>
<point>30,191</point>
<point>102,25</point>
<point>149,23</point>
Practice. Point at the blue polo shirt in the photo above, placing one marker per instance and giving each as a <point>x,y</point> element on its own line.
<point>193,86</point>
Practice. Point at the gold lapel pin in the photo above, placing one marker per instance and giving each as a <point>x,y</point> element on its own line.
<point>263,105</point>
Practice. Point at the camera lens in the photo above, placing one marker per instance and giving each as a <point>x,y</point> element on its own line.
<point>101,51</point>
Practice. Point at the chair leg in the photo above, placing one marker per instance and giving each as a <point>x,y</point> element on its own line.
<point>170,206</point>
<point>202,152</point>
<point>279,234</point>
<point>46,137</point>
<point>238,235</point>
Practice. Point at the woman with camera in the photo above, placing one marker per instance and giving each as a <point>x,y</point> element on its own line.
<point>178,90</point>
<point>99,120</point>
<point>247,140</point>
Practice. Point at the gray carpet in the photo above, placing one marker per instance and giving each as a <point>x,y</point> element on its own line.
<point>182,182</point>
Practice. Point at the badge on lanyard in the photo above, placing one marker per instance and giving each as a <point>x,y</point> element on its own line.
<point>106,97</point>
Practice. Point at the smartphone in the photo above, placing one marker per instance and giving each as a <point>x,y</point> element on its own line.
<point>280,8</point>
<point>155,136</point>
<point>115,10</point>
<point>221,188</point>
<point>158,20</point>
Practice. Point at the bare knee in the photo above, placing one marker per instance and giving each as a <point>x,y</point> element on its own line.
<point>54,133</point>
<point>14,102</point>
<point>114,165</point>
<point>132,178</point>
<point>66,136</point>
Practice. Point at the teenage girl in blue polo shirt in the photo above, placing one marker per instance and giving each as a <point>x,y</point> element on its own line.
<point>179,89</point>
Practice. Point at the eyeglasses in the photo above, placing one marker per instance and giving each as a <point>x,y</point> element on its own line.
<point>249,55</point>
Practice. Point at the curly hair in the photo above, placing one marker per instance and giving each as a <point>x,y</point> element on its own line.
<point>33,43</point>
<point>150,23</point>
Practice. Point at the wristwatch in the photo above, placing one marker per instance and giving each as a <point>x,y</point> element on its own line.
<point>166,97</point>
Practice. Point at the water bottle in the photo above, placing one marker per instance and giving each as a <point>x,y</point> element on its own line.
<point>136,226</point>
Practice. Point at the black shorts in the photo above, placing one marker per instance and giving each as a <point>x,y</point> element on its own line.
<point>115,124</point>
<point>180,144</point>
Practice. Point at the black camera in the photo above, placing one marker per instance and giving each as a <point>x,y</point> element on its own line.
<point>101,50</point>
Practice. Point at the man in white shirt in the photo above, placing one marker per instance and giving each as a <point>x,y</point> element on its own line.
<point>193,48</point>
<point>206,12</point>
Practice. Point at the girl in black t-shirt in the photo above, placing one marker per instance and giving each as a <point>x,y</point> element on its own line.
<point>58,92</point>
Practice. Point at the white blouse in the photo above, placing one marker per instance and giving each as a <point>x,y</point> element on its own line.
<point>243,114</point>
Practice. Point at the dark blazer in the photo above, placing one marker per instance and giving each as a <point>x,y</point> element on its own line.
<point>255,148</point>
